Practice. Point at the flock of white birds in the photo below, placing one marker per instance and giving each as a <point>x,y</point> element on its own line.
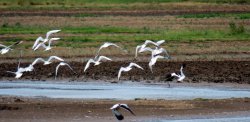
<point>46,44</point>
<point>157,53</point>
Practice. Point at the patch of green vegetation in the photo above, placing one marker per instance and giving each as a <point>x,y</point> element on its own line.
<point>200,99</point>
<point>236,30</point>
<point>212,15</point>
<point>19,29</point>
<point>178,36</point>
<point>119,34</point>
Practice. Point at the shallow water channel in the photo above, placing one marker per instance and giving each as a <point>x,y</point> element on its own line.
<point>119,91</point>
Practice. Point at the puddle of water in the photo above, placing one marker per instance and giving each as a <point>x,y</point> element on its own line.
<point>121,91</point>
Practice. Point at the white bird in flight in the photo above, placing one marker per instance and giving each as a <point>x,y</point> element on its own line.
<point>115,110</point>
<point>153,61</point>
<point>155,52</point>
<point>19,71</point>
<point>180,76</point>
<point>46,38</point>
<point>128,68</point>
<point>6,49</point>
<point>141,48</point>
<point>95,61</point>
<point>105,45</point>
<point>45,62</point>
<point>63,64</point>
<point>44,46</point>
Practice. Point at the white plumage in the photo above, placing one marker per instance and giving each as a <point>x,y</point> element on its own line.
<point>128,68</point>
<point>105,45</point>
<point>153,61</point>
<point>63,64</point>
<point>180,77</point>
<point>42,44</point>
<point>46,38</point>
<point>19,71</point>
<point>115,110</point>
<point>143,48</point>
<point>6,49</point>
<point>96,61</point>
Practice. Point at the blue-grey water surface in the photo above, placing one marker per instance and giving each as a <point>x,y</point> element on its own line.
<point>120,91</point>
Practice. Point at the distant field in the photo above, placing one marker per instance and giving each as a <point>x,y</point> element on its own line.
<point>110,4</point>
<point>189,26</point>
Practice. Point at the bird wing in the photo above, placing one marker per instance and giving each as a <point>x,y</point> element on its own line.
<point>53,39</point>
<point>136,65</point>
<point>153,61</point>
<point>57,67</point>
<point>165,51</point>
<point>175,75</point>
<point>37,40</point>
<point>107,44</point>
<point>136,50</point>
<point>114,106</point>
<point>88,63</point>
<point>103,57</point>
<point>150,42</point>
<point>51,32</point>
<point>16,43</point>
<point>19,61</point>
<point>3,46</point>
<point>160,42</point>
<point>11,72</point>
<point>146,49</point>
<point>125,106</point>
<point>181,70</point>
<point>120,71</point>
<point>70,68</point>
<point>36,60</point>
<point>55,57</point>
<point>39,45</point>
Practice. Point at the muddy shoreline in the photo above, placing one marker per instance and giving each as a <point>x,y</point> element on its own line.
<point>196,71</point>
<point>46,109</point>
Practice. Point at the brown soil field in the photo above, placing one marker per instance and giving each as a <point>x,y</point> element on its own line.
<point>60,110</point>
<point>133,9</point>
<point>195,71</point>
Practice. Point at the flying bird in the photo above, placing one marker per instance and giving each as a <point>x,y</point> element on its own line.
<point>155,52</point>
<point>42,44</point>
<point>128,68</point>
<point>6,49</point>
<point>180,76</point>
<point>63,64</point>
<point>96,61</point>
<point>142,48</point>
<point>46,38</point>
<point>105,45</point>
<point>45,62</point>
<point>115,110</point>
<point>153,61</point>
<point>19,71</point>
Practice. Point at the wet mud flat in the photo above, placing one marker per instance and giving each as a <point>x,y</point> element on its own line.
<point>46,109</point>
<point>195,71</point>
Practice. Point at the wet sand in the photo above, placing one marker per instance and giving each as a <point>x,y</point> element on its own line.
<point>62,110</point>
